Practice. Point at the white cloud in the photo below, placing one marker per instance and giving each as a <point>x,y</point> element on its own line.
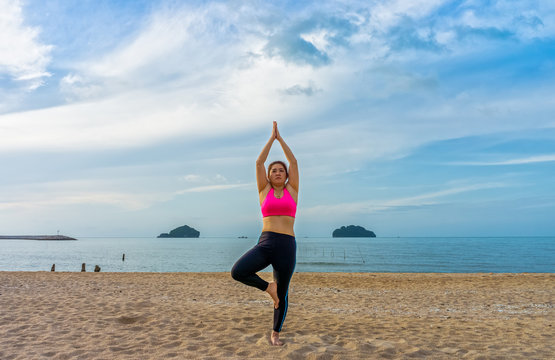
<point>120,200</point>
<point>59,194</point>
<point>192,178</point>
<point>195,178</point>
<point>201,72</point>
<point>525,20</point>
<point>113,123</point>
<point>178,47</point>
<point>518,161</point>
<point>214,188</point>
<point>22,55</point>
<point>210,90</point>
<point>74,87</point>
<point>242,100</point>
<point>220,177</point>
<point>163,37</point>
<point>445,37</point>
<point>194,73</point>
<point>388,13</point>
<point>373,206</point>
<point>318,38</point>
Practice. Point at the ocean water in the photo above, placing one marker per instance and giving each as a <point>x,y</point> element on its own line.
<point>206,254</point>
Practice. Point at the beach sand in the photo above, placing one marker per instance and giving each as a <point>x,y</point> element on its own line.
<point>331,316</point>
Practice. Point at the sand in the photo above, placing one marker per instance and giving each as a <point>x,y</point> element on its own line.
<point>47,315</point>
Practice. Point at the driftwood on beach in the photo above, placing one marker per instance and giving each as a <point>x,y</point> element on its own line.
<point>35,237</point>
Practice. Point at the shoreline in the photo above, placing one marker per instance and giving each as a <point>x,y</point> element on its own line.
<point>318,272</point>
<point>331,316</point>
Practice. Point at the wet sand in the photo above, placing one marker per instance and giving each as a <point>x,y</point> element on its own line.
<point>330,316</point>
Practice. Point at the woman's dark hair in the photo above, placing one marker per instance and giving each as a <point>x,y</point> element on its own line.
<point>278,162</point>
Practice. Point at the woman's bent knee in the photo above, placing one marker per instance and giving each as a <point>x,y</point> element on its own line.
<point>235,274</point>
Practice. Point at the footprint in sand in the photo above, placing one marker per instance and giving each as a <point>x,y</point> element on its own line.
<point>174,344</point>
<point>263,341</point>
<point>349,345</point>
<point>304,351</point>
<point>418,353</point>
<point>194,334</point>
<point>126,320</point>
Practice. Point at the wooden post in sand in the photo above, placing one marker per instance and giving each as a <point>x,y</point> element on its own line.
<point>83,268</point>
<point>53,267</point>
<point>96,268</point>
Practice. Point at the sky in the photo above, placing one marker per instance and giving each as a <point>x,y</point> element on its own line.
<point>407,117</point>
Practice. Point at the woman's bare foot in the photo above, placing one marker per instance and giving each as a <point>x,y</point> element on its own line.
<point>272,290</point>
<point>274,339</point>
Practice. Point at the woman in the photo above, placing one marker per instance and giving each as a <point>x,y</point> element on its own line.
<point>276,245</point>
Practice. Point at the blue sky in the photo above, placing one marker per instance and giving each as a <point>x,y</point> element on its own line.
<point>410,118</point>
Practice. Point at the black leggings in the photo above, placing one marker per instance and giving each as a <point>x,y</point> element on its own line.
<point>276,249</point>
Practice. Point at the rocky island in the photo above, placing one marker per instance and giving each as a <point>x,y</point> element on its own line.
<point>181,232</point>
<point>352,231</point>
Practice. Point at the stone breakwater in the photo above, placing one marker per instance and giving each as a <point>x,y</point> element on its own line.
<point>35,237</point>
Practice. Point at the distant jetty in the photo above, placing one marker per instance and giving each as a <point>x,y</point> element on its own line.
<point>36,237</point>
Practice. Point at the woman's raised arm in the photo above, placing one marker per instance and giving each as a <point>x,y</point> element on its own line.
<point>261,179</point>
<point>293,166</point>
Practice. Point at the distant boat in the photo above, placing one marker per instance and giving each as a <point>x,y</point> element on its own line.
<point>242,237</point>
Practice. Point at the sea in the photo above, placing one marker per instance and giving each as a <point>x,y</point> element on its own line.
<point>314,254</point>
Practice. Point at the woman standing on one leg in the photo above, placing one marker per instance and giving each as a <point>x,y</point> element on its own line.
<point>276,245</point>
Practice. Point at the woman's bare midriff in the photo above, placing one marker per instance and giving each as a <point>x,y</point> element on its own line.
<point>280,224</point>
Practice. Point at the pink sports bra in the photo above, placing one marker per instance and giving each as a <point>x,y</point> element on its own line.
<point>272,206</point>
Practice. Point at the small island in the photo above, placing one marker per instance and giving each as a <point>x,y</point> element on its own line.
<point>36,237</point>
<point>181,232</point>
<point>352,231</point>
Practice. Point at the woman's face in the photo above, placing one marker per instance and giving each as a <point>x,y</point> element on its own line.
<point>278,174</point>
